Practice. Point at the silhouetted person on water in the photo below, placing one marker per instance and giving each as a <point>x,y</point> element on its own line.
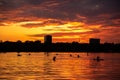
<point>70,55</point>
<point>78,56</point>
<point>19,54</point>
<point>98,59</point>
<point>29,54</point>
<point>54,58</point>
<point>56,54</point>
<point>46,53</point>
<point>87,54</point>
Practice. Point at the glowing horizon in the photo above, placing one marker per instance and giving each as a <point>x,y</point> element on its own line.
<point>66,21</point>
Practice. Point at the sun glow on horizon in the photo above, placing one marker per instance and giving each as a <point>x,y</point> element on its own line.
<point>66,21</point>
<point>16,31</point>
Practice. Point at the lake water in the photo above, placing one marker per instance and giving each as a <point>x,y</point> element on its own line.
<point>41,66</point>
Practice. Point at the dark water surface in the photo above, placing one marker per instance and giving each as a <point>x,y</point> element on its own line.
<point>40,66</point>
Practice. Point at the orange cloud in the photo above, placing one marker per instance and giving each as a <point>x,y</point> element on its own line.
<point>64,18</point>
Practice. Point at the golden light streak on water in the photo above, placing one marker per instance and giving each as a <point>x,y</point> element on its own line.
<point>40,66</point>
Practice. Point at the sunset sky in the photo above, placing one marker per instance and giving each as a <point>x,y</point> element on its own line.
<point>65,20</point>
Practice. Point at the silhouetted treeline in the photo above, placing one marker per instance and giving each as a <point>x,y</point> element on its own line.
<point>37,46</point>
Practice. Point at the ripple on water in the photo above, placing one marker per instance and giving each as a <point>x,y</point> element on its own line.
<point>41,67</point>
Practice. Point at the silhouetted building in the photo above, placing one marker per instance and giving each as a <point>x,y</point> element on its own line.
<point>47,39</point>
<point>94,41</point>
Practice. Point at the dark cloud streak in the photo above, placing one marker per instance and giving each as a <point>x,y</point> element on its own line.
<point>91,12</point>
<point>63,9</point>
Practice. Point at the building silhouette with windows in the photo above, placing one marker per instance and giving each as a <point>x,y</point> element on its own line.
<point>47,39</point>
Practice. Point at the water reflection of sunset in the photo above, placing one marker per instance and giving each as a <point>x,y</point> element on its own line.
<point>41,66</point>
